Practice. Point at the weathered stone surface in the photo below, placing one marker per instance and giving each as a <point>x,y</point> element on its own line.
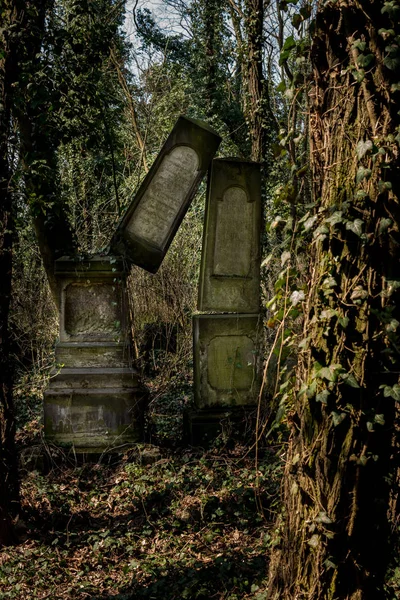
<point>226,360</point>
<point>93,300</point>
<point>93,419</point>
<point>92,377</point>
<point>94,400</point>
<point>92,354</point>
<point>150,223</point>
<point>230,267</point>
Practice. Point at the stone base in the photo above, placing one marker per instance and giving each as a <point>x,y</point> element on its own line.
<point>226,360</point>
<point>94,400</point>
<point>202,427</point>
<point>94,419</point>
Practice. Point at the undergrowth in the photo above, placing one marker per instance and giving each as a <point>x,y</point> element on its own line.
<point>186,526</point>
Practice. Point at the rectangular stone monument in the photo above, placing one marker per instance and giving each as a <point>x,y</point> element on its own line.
<point>94,400</point>
<point>150,223</point>
<point>226,360</point>
<point>230,265</point>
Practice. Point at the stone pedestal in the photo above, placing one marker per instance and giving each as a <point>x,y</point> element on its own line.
<point>226,371</point>
<point>94,400</point>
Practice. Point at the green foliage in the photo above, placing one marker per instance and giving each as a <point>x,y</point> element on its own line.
<point>185,526</point>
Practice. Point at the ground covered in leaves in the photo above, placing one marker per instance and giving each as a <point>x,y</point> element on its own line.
<point>189,525</point>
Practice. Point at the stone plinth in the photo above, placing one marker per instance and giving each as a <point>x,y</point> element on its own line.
<point>146,230</point>
<point>94,400</point>
<point>230,265</point>
<point>226,361</point>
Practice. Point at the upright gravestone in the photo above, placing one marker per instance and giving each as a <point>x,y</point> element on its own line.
<point>230,262</point>
<point>94,400</point>
<point>226,345</point>
<point>150,223</point>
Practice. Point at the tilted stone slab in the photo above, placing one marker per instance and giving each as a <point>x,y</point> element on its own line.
<point>94,400</point>
<point>226,360</point>
<point>230,265</point>
<point>149,225</point>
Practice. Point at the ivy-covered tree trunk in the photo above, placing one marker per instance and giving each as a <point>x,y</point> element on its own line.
<point>335,531</point>
<point>256,102</point>
<point>32,104</point>
<point>9,489</point>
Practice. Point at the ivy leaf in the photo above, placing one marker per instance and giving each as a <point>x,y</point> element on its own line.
<point>323,396</point>
<point>364,60</point>
<point>355,226</point>
<point>350,380</point>
<point>392,62</point>
<point>285,257</point>
<point>289,43</point>
<point>384,185</point>
<point>309,223</point>
<point>329,282</point>
<point>313,541</point>
<point>330,373</point>
<point>363,147</point>
<point>380,419</point>
<point>358,75</point>
<point>392,9</point>
<point>304,343</point>
<point>338,418</point>
<point>384,224</point>
<point>328,313</point>
<point>297,20</point>
<point>336,218</point>
<point>392,392</point>
<point>359,293</point>
<point>343,321</point>
<point>392,326</point>
<point>311,389</point>
<point>360,45</point>
<point>296,297</point>
<point>362,174</point>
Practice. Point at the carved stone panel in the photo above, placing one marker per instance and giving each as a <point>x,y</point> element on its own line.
<point>91,310</point>
<point>155,215</point>
<point>230,267</point>
<point>226,360</point>
<point>148,227</point>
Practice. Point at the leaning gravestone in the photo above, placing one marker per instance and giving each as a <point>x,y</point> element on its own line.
<point>150,223</point>
<point>94,400</point>
<point>227,346</point>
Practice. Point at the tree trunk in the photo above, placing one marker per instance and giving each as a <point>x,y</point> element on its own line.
<point>335,530</point>
<point>38,143</point>
<point>256,105</point>
<point>9,489</point>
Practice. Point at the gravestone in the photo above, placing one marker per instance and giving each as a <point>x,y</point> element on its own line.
<point>149,225</point>
<point>227,346</point>
<point>230,265</point>
<point>94,400</point>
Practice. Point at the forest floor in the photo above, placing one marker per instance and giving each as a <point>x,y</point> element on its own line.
<point>153,523</point>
